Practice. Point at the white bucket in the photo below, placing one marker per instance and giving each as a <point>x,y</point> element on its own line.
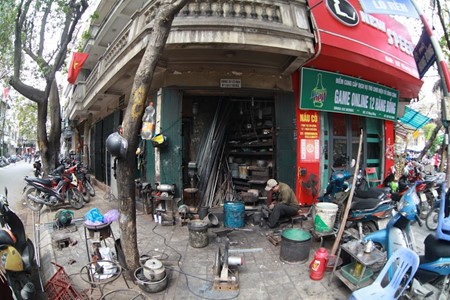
<point>325,216</point>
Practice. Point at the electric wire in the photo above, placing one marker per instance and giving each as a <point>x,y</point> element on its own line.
<point>186,275</point>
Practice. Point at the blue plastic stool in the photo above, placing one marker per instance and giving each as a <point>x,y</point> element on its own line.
<point>405,263</point>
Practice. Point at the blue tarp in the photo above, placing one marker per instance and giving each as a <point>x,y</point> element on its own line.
<point>414,118</point>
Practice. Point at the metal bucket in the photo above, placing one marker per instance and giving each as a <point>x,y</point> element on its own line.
<point>234,214</point>
<point>295,245</point>
<point>198,230</point>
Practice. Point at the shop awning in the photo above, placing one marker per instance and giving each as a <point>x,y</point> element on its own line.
<point>414,118</point>
<point>410,122</point>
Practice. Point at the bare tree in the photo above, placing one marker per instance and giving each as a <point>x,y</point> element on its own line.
<point>33,25</point>
<point>131,124</point>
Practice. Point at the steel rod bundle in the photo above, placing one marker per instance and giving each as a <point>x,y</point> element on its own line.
<point>211,155</point>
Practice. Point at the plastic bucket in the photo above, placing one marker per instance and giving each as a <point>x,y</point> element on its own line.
<point>234,214</point>
<point>198,237</point>
<point>325,216</point>
<point>295,245</point>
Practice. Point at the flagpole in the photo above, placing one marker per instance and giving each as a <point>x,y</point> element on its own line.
<point>440,61</point>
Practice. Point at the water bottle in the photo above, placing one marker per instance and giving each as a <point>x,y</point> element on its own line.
<point>148,122</point>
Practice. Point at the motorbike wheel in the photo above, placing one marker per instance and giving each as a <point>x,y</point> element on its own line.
<point>431,220</point>
<point>369,227</point>
<point>30,203</point>
<point>85,192</point>
<point>424,209</point>
<point>90,188</point>
<point>75,197</point>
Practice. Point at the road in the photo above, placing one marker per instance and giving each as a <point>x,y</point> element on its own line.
<point>11,177</point>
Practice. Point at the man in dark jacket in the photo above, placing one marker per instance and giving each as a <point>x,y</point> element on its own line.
<point>285,205</point>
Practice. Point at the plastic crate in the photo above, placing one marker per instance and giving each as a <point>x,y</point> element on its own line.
<point>59,286</point>
<point>347,272</point>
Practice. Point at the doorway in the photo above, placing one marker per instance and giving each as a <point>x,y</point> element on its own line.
<point>344,139</point>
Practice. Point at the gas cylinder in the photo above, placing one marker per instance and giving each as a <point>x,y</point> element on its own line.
<point>318,264</point>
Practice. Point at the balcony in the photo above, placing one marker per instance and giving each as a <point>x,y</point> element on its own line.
<point>259,39</point>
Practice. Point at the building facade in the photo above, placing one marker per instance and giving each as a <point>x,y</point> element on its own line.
<point>232,92</point>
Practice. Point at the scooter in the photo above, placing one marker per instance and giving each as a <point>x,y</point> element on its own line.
<point>52,191</point>
<point>16,252</point>
<point>432,279</point>
<point>370,209</point>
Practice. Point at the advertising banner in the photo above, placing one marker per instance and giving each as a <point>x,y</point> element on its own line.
<point>333,92</point>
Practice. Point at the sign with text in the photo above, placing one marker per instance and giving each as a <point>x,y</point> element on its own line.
<point>424,54</point>
<point>333,92</point>
<point>230,83</point>
<point>390,7</point>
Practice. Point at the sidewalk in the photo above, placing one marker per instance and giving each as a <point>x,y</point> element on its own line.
<point>190,270</point>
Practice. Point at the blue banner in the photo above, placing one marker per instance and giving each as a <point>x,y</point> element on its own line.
<point>424,54</point>
<point>390,7</point>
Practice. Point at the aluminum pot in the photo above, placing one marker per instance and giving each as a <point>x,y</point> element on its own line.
<point>147,285</point>
<point>154,270</point>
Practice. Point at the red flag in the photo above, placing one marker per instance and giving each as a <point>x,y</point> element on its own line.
<point>78,59</point>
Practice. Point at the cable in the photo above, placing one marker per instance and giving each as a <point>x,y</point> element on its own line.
<point>186,275</point>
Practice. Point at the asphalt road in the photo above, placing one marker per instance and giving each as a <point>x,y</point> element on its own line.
<point>12,178</point>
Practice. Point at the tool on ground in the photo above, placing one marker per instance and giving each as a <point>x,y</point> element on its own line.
<point>226,275</point>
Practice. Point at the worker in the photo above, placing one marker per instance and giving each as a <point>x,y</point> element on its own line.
<point>283,202</point>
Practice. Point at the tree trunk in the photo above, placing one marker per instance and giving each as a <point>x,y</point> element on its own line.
<point>49,149</point>
<point>131,125</point>
<point>431,139</point>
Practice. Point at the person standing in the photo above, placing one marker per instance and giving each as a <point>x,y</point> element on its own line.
<point>285,205</point>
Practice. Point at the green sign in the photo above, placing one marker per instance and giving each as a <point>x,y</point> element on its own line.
<point>333,92</point>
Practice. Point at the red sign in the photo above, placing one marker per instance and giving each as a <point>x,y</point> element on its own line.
<point>308,156</point>
<point>373,47</point>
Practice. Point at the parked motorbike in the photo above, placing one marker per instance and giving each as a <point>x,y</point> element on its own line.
<point>16,252</point>
<point>85,178</point>
<point>370,209</point>
<point>37,166</point>
<point>432,279</point>
<point>52,191</point>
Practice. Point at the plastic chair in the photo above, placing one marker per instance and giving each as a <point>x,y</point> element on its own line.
<point>405,263</point>
<point>372,176</point>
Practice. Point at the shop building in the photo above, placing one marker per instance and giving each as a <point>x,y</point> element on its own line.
<point>231,93</point>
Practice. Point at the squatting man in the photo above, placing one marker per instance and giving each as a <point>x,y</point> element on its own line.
<point>281,202</point>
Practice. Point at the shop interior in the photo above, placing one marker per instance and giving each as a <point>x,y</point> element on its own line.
<point>228,149</point>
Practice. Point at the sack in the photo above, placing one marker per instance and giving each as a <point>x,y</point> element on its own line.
<point>111,216</point>
<point>94,216</point>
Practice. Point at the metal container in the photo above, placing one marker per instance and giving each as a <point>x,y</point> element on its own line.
<point>147,285</point>
<point>295,245</point>
<point>154,270</point>
<point>234,214</point>
<point>198,233</point>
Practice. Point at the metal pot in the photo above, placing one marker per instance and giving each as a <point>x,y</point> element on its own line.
<point>154,270</point>
<point>150,286</point>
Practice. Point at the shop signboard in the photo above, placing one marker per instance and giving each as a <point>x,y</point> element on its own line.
<point>333,92</point>
<point>390,7</point>
<point>424,54</point>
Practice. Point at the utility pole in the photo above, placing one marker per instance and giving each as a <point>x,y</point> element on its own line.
<point>445,79</point>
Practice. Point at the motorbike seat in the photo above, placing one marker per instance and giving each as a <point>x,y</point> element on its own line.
<point>44,181</point>
<point>436,248</point>
<point>373,192</point>
<point>364,203</point>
